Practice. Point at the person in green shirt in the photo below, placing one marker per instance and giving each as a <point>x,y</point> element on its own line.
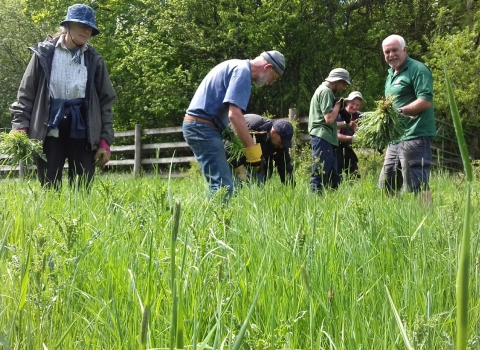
<point>322,127</point>
<point>409,160</point>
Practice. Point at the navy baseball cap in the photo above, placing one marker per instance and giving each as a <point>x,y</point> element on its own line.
<point>285,129</point>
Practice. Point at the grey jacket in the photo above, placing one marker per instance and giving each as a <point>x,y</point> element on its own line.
<point>31,110</point>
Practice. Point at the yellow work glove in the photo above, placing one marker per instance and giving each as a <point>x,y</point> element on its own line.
<point>253,154</point>
<point>254,157</point>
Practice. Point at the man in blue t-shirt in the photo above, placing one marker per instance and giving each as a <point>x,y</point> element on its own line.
<point>222,98</point>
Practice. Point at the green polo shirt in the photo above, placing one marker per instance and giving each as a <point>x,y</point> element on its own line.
<point>413,81</point>
<point>322,103</point>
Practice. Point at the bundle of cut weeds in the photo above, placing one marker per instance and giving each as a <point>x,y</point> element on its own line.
<point>17,147</point>
<point>384,125</point>
<point>233,145</point>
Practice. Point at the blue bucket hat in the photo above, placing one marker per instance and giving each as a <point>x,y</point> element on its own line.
<point>82,14</point>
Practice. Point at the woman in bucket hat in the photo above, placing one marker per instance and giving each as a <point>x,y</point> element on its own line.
<point>347,159</point>
<point>65,100</point>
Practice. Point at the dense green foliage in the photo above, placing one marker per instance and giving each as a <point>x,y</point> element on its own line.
<point>18,32</point>
<point>158,51</point>
<point>78,269</point>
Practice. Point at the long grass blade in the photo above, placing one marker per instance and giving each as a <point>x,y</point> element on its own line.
<point>464,253</point>
<point>462,144</point>
<point>64,335</point>
<point>204,344</point>
<point>180,325</point>
<point>403,332</point>
<point>243,329</point>
<point>173,324</point>
<point>4,342</point>
<point>25,280</point>
<point>3,244</point>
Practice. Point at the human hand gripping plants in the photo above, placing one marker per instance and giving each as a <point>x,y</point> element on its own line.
<point>380,127</point>
<point>16,147</point>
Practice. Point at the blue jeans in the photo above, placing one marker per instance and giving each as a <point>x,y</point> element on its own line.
<point>207,146</point>
<point>325,165</point>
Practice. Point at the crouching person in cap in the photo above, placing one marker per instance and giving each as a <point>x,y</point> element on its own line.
<point>347,159</point>
<point>222,98</point>
<point>65,100</point>
<point>275,139</point>
<point>322,127</point>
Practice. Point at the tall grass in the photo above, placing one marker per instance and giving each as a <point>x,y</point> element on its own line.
<point>464,249</point>
<point>96,256</point>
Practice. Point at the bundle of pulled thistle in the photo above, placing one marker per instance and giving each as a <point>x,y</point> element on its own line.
<point>16,147</point>
<point>382,126</point>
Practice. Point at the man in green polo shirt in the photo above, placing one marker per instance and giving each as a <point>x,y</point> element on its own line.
<point>322,127</point>
<point>409,160</point>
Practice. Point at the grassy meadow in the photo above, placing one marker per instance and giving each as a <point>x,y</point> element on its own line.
<point>93,270</point>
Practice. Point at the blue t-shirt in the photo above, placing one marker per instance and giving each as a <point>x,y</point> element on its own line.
<point>228,82</point>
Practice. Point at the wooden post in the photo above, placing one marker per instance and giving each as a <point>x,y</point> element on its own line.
<point>474,147</point>
<point>138,150</point>
<point>21,169</point>
<point>293,114</point>
<point>293,117</point>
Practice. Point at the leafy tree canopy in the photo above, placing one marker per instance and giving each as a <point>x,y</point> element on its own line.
<point>159,51</point>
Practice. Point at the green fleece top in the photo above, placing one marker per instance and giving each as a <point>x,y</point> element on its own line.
<point>322,103</point>
<point>414,80</point>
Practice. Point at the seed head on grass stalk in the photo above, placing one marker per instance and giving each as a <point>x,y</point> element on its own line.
<point>17,147</point>
<point>382,126</point>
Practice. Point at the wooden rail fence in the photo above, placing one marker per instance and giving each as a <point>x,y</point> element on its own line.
<point>139,149</point>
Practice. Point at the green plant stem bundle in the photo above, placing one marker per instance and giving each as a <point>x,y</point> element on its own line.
<point>234,146</point>
<point>17,147</point>
<point>382,126</point>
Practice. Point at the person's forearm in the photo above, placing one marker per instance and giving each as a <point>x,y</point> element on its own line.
<point>344,138</point>
<point>416,107</point>
<point>331,117</point>
<point>240,126</point>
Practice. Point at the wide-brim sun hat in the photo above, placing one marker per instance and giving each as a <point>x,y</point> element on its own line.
<point>353,95</point>
<point>81,13</point>
<point>276,59</point>
<point>338,74</point>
